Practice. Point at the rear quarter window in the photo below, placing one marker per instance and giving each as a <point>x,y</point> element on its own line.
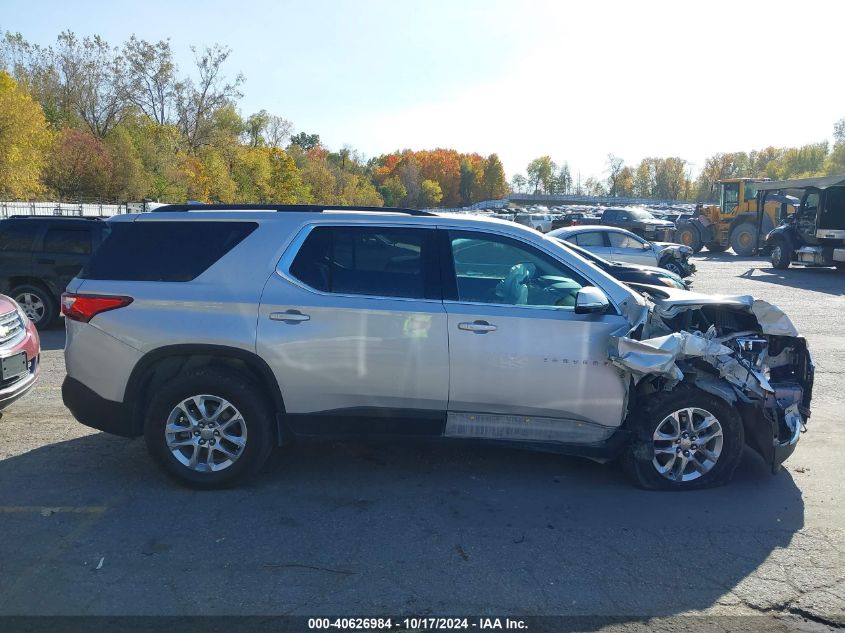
<point>163,251</point>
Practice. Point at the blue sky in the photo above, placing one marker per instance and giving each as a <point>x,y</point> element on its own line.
<point>576,80</point>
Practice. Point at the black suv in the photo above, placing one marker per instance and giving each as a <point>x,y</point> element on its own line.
<point>39,255</point>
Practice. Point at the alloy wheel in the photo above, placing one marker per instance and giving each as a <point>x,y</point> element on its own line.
<point>32,305</point>
<point>206,433</point>
<point>687,444</point>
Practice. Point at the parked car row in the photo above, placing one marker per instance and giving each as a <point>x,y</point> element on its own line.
<point>623,246</point>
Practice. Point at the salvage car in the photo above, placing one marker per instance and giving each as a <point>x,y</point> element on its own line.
<point>220,331</point>
<point>20,352</point>
<point>632,273</point>
<point>621,245</point>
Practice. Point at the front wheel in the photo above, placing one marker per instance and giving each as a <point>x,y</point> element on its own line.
<point>674,267</point>
<point>780,255</point>
<point>209,428</point>
<point>743,239</point>
<point>685,439</point>
<point>689,235</point>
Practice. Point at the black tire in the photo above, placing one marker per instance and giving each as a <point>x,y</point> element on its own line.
<point>780,255</point>
<point>743,238</point>
<point>716,247</point>
<point>689,234</point>
<point>246,397</point>
<point>639,458</point>
<point>30,297</point>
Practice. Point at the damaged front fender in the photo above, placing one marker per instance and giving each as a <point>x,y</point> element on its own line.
<point>746,351</point>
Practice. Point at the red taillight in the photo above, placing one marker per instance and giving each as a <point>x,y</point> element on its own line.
<point>86,307</point>
<point>575,222</point>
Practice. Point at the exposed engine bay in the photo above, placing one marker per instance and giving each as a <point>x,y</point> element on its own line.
<point>745,351</point>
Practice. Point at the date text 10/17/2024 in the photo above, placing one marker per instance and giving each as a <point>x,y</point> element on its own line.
<point>417,624</point>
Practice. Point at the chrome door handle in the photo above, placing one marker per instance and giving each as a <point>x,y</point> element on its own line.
<point>291,316</point>
<point>476,326</point>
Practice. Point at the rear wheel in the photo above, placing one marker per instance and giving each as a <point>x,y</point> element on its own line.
<point>743,238</point>
<point>716,247</point>
<point>38,305</point>
<point>209,428</point>
<point>780,255</point>
<point>685,439</point>
<point>689,235</point>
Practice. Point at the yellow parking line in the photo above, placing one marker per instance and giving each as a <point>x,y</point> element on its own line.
<point>48,510</point>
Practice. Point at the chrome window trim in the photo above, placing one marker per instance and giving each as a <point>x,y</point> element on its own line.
<point>293,246</point>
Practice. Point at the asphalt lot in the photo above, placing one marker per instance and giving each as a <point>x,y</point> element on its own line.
<point>434,529</point>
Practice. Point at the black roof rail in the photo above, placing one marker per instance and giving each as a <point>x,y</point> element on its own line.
<point>50,216</point>
<point>284,208</point>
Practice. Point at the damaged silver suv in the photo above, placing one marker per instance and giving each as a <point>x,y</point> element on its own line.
<point>221,331</point>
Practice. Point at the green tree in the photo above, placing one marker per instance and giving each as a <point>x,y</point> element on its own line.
<point>128,180</point>
<point>393,191</point>
<point>614,167</point>
<point>24,141</point>
<point>495,183</point>
<point>305,141</point>
<point>541,174</point>
<point>430,194</point>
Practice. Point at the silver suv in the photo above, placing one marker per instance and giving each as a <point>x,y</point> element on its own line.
<point>221,331</point>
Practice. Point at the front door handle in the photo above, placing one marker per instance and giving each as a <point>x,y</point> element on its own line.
<point>476,326</point>
<point>291,316</point>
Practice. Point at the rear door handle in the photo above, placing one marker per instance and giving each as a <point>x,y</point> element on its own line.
<point>291,316</point>
<point>476,326</point>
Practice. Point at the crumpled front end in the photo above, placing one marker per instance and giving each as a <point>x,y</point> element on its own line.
<point>745,351</point>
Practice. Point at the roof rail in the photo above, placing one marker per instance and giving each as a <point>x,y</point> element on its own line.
<point>286,208</point>
<point>46,216</point>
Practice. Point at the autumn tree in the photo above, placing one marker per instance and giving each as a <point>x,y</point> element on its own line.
<point>24,141</point>
<point>79,165</point>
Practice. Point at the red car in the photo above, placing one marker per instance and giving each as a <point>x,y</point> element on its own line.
<point>19,352</point>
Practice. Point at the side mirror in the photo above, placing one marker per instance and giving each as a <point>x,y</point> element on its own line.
<point>646,246</point>
<point>591,300</point>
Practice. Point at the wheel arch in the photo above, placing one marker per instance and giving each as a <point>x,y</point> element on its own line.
<point>164,363</point>
<point>26,280</point>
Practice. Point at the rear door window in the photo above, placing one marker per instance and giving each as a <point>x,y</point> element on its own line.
<point>369,260</point>
<point>72,241</point>
<point>18,236</point>
<point>163,251</point>
<point>590,238</point>
<point>621,240</point>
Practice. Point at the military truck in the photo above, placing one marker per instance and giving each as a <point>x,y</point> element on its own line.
<point>733,222</point>
<point>815,234</point>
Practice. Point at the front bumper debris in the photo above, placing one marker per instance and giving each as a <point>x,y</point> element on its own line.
<point>743,350</point>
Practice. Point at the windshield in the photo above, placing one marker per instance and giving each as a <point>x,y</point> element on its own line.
<point>640,214</point>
